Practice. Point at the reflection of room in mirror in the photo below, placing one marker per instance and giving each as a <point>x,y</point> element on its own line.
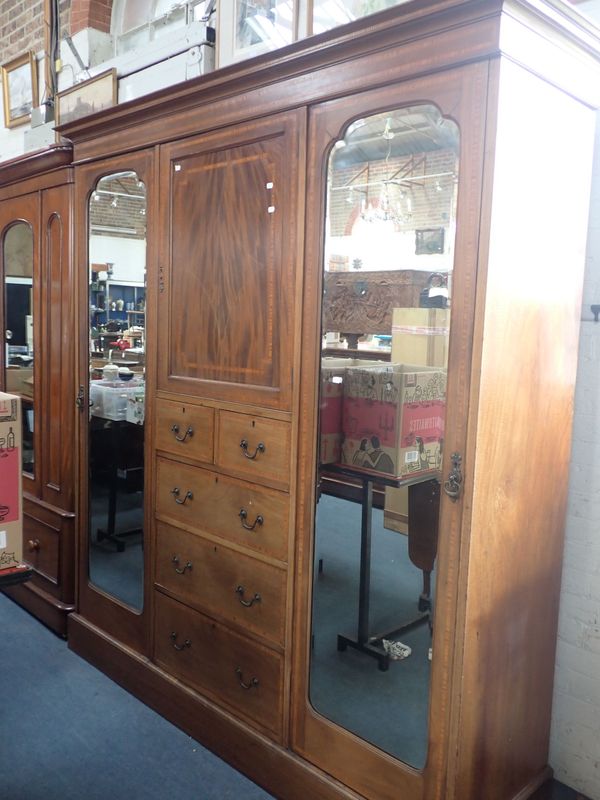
<point>390,239</point>
<point>17,258</point>
<point>117,308</point>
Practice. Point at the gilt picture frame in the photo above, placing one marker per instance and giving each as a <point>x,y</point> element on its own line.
<point>19,89</point>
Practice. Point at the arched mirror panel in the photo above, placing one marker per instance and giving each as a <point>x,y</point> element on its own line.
<point>117,305</point>
<point>387,296</point>
<point>17,258</point>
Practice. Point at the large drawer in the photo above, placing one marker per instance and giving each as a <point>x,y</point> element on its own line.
<point>223,582</point>
<point>254,447</point>
<point>200,500</point>
<point>233,670</point>
<point>185,430</point>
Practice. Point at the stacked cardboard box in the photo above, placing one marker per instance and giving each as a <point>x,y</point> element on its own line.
<point>419,336</point>
<point>11,504</point>
<point>393,419</point>
<point>333,375</point>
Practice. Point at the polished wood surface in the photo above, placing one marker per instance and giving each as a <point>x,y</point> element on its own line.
<point>226,310</point>
<point>499,544</point>
<point>369,771</point>
<point>216,505</point>
<point>183,429</point>
<point>266,455</point>
<point>237,672</point>
<point>37,189</point>
<point>516,530</point>
<point>225,583</point>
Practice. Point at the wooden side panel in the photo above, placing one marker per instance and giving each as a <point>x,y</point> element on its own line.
<point>528,326</point>
<point>227,293</point>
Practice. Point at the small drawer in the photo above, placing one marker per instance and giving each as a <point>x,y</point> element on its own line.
<point>231,669</point>
<point>255,448</point>
<point>41,546</point>
<point>200,500</point>
<point>223,582</point>
<point>185,430</point>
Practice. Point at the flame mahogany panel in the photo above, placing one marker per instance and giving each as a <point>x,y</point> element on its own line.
<point>227,296</point>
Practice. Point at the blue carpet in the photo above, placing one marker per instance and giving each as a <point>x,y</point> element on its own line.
<point>67,732</point>
<point>388,709</point>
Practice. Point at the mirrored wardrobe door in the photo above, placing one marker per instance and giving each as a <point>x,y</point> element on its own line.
<point>20,319</point>
<point>114,371</point>
<point>388,260</point>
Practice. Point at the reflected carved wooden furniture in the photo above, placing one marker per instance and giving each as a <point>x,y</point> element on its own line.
<point>359,303</point>
<point>235,164</point>
<point>37,188</point>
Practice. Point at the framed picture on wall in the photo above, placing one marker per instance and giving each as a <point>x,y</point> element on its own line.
<point>88,97</point>
<point>19,89</point>
<point>247,28</point>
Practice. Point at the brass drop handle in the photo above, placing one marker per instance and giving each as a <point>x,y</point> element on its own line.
<point>243,515</point>
<point>453,486</point>
<point>180,570</point>
<point>33,545</point>
<point>188,496</point>
<point>248,603</point>
<point>260,448</point>
<point>179,647</point>
<point>253,681</point>
<point>175,431</point>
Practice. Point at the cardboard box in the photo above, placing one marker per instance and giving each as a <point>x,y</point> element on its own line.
<point>333,374</point>
<point>393,419</point>
<point>420,336</point>
<point>11,502</point>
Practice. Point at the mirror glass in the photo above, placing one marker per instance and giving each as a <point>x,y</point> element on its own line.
<point>117,306</point>
<point>17,252</point>
<point>387,289</point>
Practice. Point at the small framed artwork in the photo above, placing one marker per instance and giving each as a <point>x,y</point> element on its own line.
<point>247,28</point>
<point>88,97</point>
<point>428,241</point>
<point>19,89</point>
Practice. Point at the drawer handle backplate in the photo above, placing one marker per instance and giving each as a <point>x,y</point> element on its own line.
<point>260,448</point>
<point>253,681</point>
<point>240,590</point>
<point>175,431</point>
<point>174,636</point>
<point>243,515</point>
<point>180,570</point>
<point>188,496</point>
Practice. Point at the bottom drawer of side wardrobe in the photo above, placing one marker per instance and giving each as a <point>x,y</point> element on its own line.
<point>238,673</point>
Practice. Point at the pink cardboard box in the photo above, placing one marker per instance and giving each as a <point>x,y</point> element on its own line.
<point>333,375</point>
<point>11,504</point>
<point>393,420</point>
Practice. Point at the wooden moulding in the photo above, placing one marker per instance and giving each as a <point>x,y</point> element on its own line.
<point>33,164</point>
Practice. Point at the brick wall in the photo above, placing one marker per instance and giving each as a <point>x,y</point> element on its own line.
<point>423,203</point>
<point>22,26</point>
